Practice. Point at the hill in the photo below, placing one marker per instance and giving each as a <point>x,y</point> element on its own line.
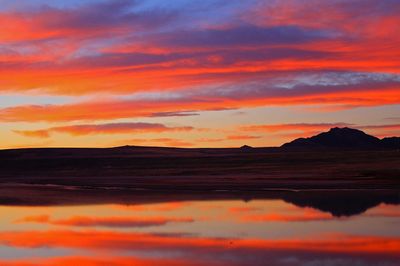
<point>214,169</point>
<point>344,138</point>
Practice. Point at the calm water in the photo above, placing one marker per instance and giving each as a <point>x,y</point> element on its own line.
<point>223,232</point>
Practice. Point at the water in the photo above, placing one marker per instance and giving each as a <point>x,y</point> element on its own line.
<point>200,232</point>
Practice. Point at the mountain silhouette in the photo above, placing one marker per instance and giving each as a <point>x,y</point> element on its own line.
<point>348,138</point>
<point>392,142</point>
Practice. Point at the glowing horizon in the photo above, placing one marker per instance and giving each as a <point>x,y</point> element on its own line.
<point>189,74</point>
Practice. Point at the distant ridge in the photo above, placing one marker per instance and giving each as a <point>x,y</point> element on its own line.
<point>392,142</point>
<point>342,138</point>
<point>347,138</point>
<point>341,158</point>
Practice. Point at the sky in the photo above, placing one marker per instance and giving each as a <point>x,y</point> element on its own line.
<point>210,73</point>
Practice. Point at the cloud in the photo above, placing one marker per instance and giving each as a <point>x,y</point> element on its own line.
<point>112,128</point>
<point>90,20</point>
<point>119,222</point>
<point>384,126</point>
<point>242,137</point>
<point>383,130</point>
<point>103,260</point>
<point>244,35</point>
<point>167,142</point>
<point>304,127</point>
<point>358,17</point>
<point>211,139</point>
<point>240,210</point>
<point>122,47</point>
<point>34,133</point>
<point>197,56</point>
<point>392,118</point>
<point>168,114</point>
<point>307,215</point>
<point>329,89</point>
<point>346,248</point>
<point>297,130</point>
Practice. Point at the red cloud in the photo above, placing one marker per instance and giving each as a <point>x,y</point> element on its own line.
<point>278,53</point>
<point>90,240</point>
<point>342,16</point>
<point>306,215</point>
<point>68,50</point>
<point>104,260</point>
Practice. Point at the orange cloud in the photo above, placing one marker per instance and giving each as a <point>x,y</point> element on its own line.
<point>211,140</point>
<point>242,137</point>
<point>166,206</point>
<point>305,127</point>
<point>112,128</point>
<point>240,210</point>
<point>298,130</point>
<point>111,261</point>
<point>171,206</point>
<point>114,109</point>
<point>106,221</point>
<point>34,133</point>
<point>64,50</point>
<point>278,53</point>
<point>168,142</point>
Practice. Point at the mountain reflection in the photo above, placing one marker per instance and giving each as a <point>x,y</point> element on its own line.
<point>126,228</point>
<point>336,202</point>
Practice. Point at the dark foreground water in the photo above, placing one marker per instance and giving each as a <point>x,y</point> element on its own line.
<point>200,232</point>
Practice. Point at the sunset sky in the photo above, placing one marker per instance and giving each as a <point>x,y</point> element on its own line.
<point>210,73</point>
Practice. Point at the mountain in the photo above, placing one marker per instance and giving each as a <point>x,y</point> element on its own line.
<point>392,142</point>
<point>347,138</point>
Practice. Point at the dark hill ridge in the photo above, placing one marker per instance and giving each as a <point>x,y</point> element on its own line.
<point>349,159</point>
<point>392,142</point>
<point>345,138</point>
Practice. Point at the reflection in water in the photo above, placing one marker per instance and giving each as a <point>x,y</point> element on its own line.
<point>337,202</point>
<point>198,232</point>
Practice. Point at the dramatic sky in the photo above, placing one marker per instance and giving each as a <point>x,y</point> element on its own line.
<point>210,73</point>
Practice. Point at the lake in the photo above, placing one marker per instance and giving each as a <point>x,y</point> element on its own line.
<point>205,231</point>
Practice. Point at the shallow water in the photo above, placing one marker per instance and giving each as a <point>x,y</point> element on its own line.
<point>207,232</point>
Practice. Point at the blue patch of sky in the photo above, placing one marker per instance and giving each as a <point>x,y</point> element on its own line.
<point>336,79</point>
<point>20,253</point>
<point>9,100</point>
<point>206,11</point>
<point>31,4</point>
